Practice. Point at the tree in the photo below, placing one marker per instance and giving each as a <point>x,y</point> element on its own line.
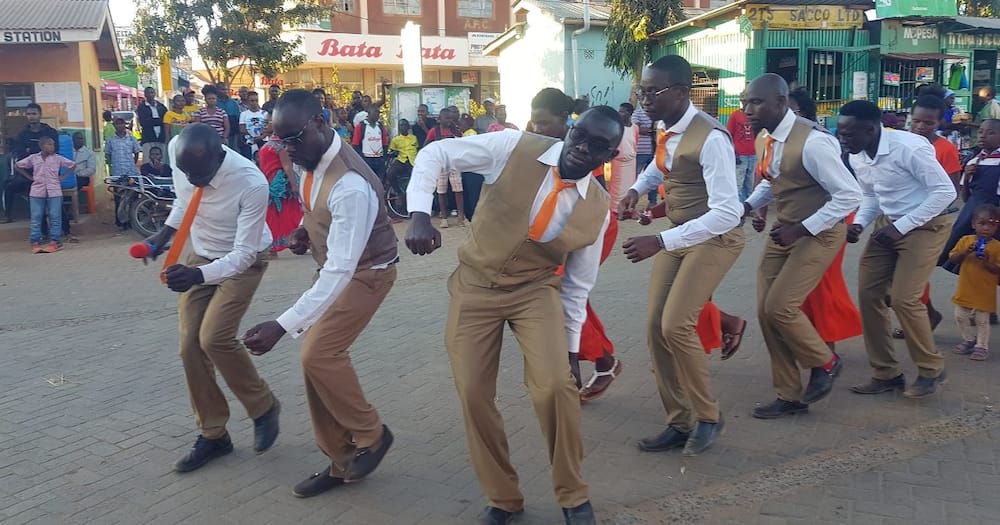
<point>231,36</point>
<point>983,8</point>
<point>628,30</point>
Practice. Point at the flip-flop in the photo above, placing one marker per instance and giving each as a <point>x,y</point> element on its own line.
<point>734,341</point>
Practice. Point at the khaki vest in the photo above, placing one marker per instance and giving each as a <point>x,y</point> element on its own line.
<point>797,195</point>
<point>684,187</point>
<point>381,247</point>
<point>497,250</point>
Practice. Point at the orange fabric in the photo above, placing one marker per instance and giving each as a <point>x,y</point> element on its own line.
<point>766,160</point>
<point>180,239</point>
<point>661,149</point>
<point>947,156</point>
<point>926,298</point>
<point>710,327</point>
<point>307,186</point>
<point>830,308</point>
<point>544,216</point>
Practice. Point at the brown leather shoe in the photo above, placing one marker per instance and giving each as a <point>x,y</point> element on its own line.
<point>600,382</point>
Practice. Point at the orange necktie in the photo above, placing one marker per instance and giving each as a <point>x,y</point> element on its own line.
<point>544,216</point>
<point>766,159</point>
<point>307,187</point>
<point>180,238</point>
<point>661,150</point>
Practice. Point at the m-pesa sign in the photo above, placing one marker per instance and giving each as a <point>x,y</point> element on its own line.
<point>344,48</point>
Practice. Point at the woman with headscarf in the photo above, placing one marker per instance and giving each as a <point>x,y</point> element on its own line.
<point>284,210</point>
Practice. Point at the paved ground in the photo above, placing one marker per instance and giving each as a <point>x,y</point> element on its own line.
<point>94,412</point>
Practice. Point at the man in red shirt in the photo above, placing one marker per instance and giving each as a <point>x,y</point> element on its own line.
<point>746,157</point>
<point>447,128</point>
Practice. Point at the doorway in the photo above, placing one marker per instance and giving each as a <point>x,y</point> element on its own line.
<point>784,63</point>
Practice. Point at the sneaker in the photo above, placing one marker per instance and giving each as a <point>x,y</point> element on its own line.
<point>979,353</point>
<point>37,248</point>
<point>54,247</point>
<point>965,347</point>
<point>444,223</point>
<point>203,451</point>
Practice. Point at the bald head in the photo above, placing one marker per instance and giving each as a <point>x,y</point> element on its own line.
<point>765,102</point>
<point>199,153</point>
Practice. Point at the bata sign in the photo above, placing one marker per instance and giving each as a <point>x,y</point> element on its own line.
<point>343,48</point>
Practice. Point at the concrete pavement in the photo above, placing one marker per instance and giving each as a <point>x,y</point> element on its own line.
<point>94,413</point>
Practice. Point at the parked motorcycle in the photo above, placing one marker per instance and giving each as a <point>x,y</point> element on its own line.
<point>143,202</point>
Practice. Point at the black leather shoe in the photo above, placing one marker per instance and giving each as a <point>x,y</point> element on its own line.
<point>924,386</point>
<point>265,428</point>
<point>495,516</point>
<point>877,386</point>
<point>821,382</point>
<point>317,484</point>
<point>779,407</point>
<point>203,451</point>
<point>666,440</point>
<point>366,459</point>
<point>582,514</point>
<point>703,436</point>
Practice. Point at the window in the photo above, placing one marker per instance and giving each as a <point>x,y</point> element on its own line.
<point>401,7</point>
<point>475,8</point>
<point>346,6</point>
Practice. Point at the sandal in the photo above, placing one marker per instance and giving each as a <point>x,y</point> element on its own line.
<point>731,342</point>
<point>979,353</point>
<point>965,347</point>
<point>596,387</point>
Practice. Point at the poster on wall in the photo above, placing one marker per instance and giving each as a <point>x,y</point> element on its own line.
<point>60,99</point>
<point>890,79</point>
<point>459,97</point>
<point>436,99</point>
<point>860,89</point>
<point>901,8</point>
<point>925,74</point>
<point>406,104</point>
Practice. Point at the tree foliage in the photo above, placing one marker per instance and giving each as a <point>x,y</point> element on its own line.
<point>982,8</point>
<point>231,36</point>
<point>628,30</point>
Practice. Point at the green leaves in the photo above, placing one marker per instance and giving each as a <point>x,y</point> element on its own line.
<point>628,30</point>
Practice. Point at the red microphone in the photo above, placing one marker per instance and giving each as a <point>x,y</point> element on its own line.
<point>141,250</point>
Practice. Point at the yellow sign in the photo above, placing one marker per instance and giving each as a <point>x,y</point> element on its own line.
<point>804,17</point>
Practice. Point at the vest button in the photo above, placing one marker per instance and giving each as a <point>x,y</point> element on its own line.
<point>513,258</point>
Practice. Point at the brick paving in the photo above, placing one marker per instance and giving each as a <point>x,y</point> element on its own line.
<point>94,412</point>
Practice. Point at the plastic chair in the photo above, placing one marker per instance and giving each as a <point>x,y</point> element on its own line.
<point>91,199</point>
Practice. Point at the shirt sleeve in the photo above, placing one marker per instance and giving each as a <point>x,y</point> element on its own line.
<point>485,154</point>
<point>761,196</point>
<point>579,278</point>
<point>822,160</point>
<point>24,163</point>
<point>136,148</point>
<point>950,160</point>
<point>249,230</point>
<point>961,246</point>
<point>718,161</point>
<point>941,192</point>
<point>66,163</point>
<point>354,207</point>
<point>649,179</point>
<point>356,136</point>
<point>869,208</point>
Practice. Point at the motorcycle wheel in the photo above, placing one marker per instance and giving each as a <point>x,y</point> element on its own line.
<point>124,209</point>
<point>146,216</point>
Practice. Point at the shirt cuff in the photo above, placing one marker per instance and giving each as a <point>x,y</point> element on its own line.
<point>814,225</point>
<point>670,242</point>
<point>211,273</point>
<point>905,224</point>
<point>292,323</point>
<point>574,343</point>
<point>420,202</point>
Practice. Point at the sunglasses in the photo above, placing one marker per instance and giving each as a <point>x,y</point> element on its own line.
<point>594,144</point>
<point>297,138</point>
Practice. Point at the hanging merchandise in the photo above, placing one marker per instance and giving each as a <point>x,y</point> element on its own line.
<point>956,77</point>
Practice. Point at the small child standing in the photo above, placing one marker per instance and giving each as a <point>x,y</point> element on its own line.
<point>976,295</point>
<point>46,192</point>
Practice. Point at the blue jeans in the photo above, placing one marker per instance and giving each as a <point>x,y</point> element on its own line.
<point>745,166</point>
<point>38,207</point>
<point>641,161</point>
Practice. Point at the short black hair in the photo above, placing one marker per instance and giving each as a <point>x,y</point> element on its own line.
<point>628,106</point>
<point>77,133</point>
<point>299,99</point>
<point>936,90</point>
<point>992,123</point>
<point>402,120</point>
<point>276,85</point>
<point>607,112</point>
<point>676,67</point>
<point>807,106</point>
<point>209,90</point>
<point>106,115</point>
<point>36,107</point>
<point>318,90</point>
<point>46,138</point>
<point>422,106</point>
<point>986,209</point>
<point>862,110</point>
<point>931,102</point>
<point>155,148</point>
<point>552,100</point>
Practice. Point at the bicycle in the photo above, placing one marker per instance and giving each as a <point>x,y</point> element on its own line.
<point>397,178</point>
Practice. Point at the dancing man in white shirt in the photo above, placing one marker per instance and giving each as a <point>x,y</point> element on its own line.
<point>346,226</point>
<point>905,190</point>
<point>540,208</point>
<point>221,203</point>
<point>799,163</point>
<point>695,154</point>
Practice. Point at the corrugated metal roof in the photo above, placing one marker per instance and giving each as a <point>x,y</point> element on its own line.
<point>50,15</point>
<point>979,23</point>
<point>739,3</point>
<point>572,9</point>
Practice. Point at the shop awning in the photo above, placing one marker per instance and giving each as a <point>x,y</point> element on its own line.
<point>922,56</point>
<point>978,23</point>
<point>60,21</point>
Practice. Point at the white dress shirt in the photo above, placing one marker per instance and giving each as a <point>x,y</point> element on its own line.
<point>718,163</point>
<point>229,226</point>
<point>353,205</point>
<point>487,155</point>
<point>821,158</point>
<point>904,181</point>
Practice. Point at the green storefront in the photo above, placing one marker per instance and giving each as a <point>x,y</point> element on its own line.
<point>823,47</point>
<point>975,42</point>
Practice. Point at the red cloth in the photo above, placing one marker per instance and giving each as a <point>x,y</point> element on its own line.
<point>926,298</point>
<point>282,223</point>
<point>594,342</point>
<point>710,327</point>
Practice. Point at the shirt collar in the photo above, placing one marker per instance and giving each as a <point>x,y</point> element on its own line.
<point>883,142</point>
<point>551,158</point>
<point>681,125</point>
<point>784,127</point>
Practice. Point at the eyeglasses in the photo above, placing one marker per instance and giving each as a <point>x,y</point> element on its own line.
<point>594,144</point>
<point>296,138</point>
<point>641,95</point>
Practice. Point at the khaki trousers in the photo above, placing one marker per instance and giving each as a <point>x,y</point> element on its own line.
<point>681,283</point>
<point>473,337</point>
<point>342,418</point>
<point>209,318</point>
<point>900,271</point>
<point>787,275</point>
